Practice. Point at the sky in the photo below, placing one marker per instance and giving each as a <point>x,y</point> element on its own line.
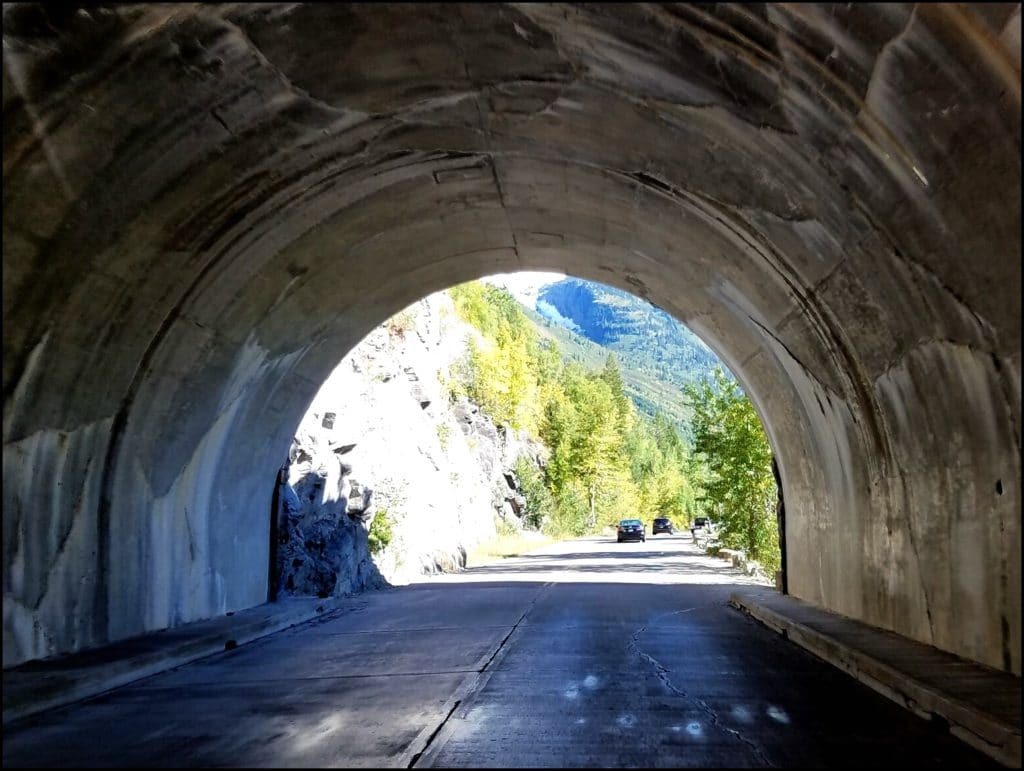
<point>524,285</point>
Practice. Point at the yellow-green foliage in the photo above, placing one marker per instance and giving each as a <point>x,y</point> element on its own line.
<point>585,426</point>
<point>401,324</point>
<point>380,531</point>
<point>740,491</point>
<point>606,461</point>
<point>540,505</point>
<point>444,433</point>
<point>505,372</point>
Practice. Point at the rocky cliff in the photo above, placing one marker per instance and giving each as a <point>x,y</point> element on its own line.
<point>389,436</point>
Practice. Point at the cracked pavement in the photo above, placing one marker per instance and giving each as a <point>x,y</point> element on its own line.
<point>631,657</point>
<point>586,653</point>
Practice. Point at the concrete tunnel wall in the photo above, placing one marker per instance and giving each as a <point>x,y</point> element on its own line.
<point>206,207</point>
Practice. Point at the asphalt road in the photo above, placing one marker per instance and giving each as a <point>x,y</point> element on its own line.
<point>585,654</point>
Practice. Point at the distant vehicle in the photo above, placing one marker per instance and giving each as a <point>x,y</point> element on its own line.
<point>662,525</point>
<point>631,530</point>
<point>703,524</point>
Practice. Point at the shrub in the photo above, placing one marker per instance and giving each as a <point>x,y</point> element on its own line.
<point>444,433</point>
<point>380,531</point>
<point>540,505</point>
<point>400,324</point>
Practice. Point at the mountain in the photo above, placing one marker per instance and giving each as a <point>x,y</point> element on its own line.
<point>524,285</point>
<point>656,353</point>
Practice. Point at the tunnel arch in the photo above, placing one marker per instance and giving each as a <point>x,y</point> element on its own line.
<point>205,208</point>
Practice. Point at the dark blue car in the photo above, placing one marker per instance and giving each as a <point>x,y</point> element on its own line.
<point>631,530</point>
<point>662,525</point>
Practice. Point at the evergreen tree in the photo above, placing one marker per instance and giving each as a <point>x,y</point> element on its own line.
<point>612,375</point>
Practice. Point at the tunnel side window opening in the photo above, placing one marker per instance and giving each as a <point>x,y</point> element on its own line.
<point>501,413</point>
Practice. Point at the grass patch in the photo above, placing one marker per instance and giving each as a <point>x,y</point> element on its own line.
<point>506,545</point>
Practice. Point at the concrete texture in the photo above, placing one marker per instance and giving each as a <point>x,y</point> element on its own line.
<point>206,207</point>
<point>60,680</point>
<point>582,654</point>
<point>981,705</point>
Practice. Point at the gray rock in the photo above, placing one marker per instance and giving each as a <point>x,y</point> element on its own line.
<point>441,489</point>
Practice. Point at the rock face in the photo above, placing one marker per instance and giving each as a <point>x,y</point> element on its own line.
<point>385,437</point>
<point>321,533</point>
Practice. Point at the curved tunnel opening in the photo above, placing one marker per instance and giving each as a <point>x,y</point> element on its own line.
<point>203,213</point>
<point>499,415</point>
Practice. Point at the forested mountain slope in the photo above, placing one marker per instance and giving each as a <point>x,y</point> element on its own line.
<point>657,354</point>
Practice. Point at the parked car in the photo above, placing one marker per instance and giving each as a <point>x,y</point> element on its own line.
<point>662,525</point>
<point>704,526</point>
<point>631,530</point>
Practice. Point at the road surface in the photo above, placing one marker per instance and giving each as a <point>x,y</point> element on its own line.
<point>587,653</point>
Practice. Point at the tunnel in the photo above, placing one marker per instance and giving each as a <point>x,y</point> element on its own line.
<point>207,206</point>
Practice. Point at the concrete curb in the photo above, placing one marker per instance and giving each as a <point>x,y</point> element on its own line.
<point>739,560</point>
<point>45,684</point>
<point>998,736</point>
